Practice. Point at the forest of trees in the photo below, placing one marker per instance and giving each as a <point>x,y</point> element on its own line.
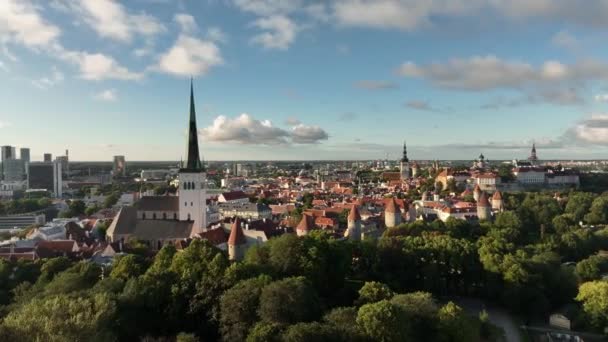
<point>532,259</point>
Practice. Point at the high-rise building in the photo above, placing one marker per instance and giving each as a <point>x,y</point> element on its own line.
<point>45,175</point>
<point>8,152</point>
<point>13,170</point>
<point>48,157</point>
<point>24,154</point>
<point>120,167</point>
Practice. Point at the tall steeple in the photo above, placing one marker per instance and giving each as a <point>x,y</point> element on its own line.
<point>533,156</point>
<point>193,162</point>
<point>404,158</point>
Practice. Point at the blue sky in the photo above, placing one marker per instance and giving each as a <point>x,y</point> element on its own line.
<point>276,79</point>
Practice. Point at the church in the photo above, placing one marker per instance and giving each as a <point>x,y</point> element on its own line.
<point>160,220</point>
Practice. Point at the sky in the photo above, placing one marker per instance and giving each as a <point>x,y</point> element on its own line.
<point>295,79</point>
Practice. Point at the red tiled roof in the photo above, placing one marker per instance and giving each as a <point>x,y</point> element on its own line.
<point>483,200</point>
<point>354,214</point>
<point>237,237</point>
<point>234,195</point>
<point>305,223</point>
<point>215,236</point>
<point>391,206</point>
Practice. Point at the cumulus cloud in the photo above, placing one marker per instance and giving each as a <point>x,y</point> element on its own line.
<point>245,129</point>
<point>110,19</point>
<point>268,7</point>
<point>376,85</point>
<point>278,32</point>
<point>21,22</point>
<point>303,134</point>
<point>593,130</point>
<point>189,55</point>
<point>292,121</point>
<point>97,66</point>
<point>108,95</point>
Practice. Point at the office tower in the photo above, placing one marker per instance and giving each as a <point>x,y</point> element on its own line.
<point>63,160</point>
<point>13,170</point>
<point>24,154</point>
<point>120,167</point>
<point>8,152</point>
<point>48,157</point>
<point>46,175</point>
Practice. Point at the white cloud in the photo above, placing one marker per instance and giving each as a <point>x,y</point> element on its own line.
<point>268,7</point>
<point>490,72</point>
<point>565,40</point>
<point>55,78</point>
<point>186,22</point>
<point>245,129</point>
<point>303,134</point>
<point>593,130</point>
<point>110,19</point>
<point>4,124</point>
<point>97,66</point>
<point>3,67</point>
<point>190,56</point>
<point>217,35</point>
<point>108,95</point>
<point>376,85</point>
<point>279,32</point>
<point>21,22</point>
<point>292,121</point>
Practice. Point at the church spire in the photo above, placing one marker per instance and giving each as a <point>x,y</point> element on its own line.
<point>193,162</point>
<point>404,158</point>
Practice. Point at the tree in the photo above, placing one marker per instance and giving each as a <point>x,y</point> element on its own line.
<point>579,204</point>
<point>110,200</point>
<point>288,301</point>
<point>598,213</point>
<point>265,332</point>
<point>128,266</point>
<point>382,321</point>
<point>62,318</point>
<point>313,331</point>
<point>342,319</point>
<point>455,325</point>
<point>373,291</point>
<point>594,296</point>
<point>238,308</point>
<point>505,172</point>
<point>185,337</point>
<point>420,310</point>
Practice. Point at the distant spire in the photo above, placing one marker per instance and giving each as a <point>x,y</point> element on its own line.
<point>404,158</point>
<point>193,163</point>
<point>533,157</point>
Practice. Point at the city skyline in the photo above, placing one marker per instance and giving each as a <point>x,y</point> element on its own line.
<point>278,80</point>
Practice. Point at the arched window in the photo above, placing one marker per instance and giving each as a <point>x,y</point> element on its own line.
<point>188,217</point>
<point>154,216</point>
<point>192,204</point>
<point>193,185</point>
<point>175,216</point>
<point>164,216</point>
<point>185,204</point>
<point>143,216</point>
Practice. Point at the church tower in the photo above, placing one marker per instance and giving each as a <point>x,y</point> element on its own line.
<point>192,178</point>
<point>533,158</point>
<point>404,165</point>
<point>354,224</point>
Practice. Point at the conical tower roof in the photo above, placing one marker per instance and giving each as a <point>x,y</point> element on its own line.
<point>305,224</point>
<point>237,236</point>
<point>391,206</point>
<point>497,196</point>
<point>193,163</point>
<point>483,200</point>
<point>354,214</point>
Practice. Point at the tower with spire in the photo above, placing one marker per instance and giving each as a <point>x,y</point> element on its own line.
<point>404,164</point>
<point>533,158</point>
<point>192,178</point>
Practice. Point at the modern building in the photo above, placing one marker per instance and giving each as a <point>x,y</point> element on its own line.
<point>46,175</point>
<point>13,170</point>
<point>8,152</point>
<point>120,167</point>
<point>21,221</point>
<point>24,154</point>
<point>48,157</point>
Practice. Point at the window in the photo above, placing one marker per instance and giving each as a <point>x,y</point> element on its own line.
<point>188,217</point>
<point>185,204</point>
<point>164,216</point>
<point>143,216</point>
<point>154,216</point>
<point>175,216</point>
<point>191,204</point>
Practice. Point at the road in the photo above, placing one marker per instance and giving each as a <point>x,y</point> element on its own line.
<point>499,317</point>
